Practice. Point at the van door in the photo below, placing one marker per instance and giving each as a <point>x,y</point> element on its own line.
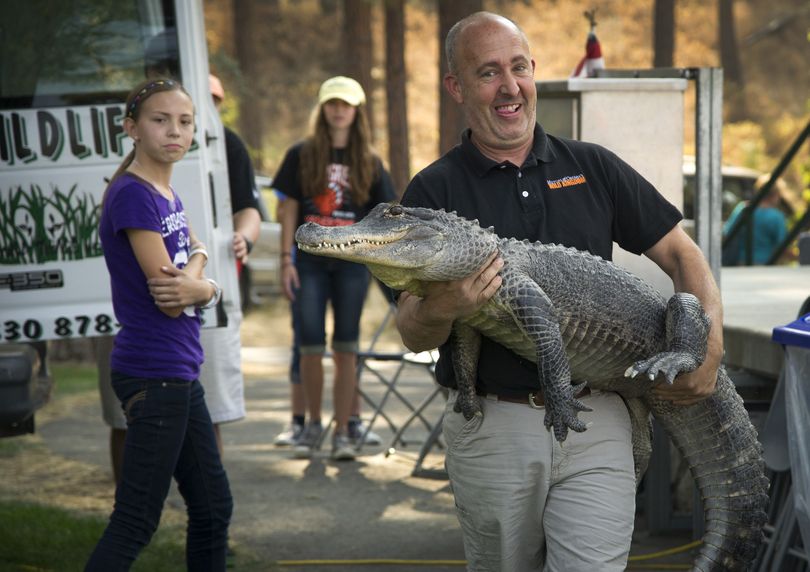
<point>65,71</point>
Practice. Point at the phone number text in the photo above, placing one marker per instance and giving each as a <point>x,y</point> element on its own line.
<point>61,327</point>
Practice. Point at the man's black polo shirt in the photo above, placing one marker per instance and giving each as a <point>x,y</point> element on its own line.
<point>566,192</point>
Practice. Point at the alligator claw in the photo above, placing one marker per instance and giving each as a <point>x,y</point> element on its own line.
<point>563,417</point>
<point>563,423</point>
<point>668,364</point>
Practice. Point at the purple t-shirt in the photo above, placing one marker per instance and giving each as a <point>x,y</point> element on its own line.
<point>150,343</point>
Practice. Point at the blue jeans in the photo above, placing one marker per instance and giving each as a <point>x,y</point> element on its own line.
<point>322,280</point>
<point>169,433</point>
<point>295,359</point>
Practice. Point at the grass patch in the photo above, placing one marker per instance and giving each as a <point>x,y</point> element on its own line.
<point>40,538</point>
<point>10,447</point>
<point>72,378</point>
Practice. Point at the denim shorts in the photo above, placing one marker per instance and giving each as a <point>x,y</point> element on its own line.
<point>323,280</point>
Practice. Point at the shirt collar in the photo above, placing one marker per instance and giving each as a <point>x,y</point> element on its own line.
<point>481,164</point>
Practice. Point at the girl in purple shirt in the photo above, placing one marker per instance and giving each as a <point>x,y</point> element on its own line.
<point>156,274</point>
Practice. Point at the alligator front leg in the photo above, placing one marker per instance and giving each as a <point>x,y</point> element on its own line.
<point>466,344</point>
<point>687,334</point>
<point>537,318</point>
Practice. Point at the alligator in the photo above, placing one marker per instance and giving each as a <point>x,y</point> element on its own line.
<point>582,320</point>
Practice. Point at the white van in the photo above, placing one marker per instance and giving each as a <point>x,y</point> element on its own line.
<point>64,75</point>
<point>738,185</point>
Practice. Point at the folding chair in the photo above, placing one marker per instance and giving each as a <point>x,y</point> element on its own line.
<point>425,360</point>
<point>369,360</point>
<point>434,437</point>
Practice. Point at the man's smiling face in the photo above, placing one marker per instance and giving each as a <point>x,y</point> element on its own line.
<point>495,84</point>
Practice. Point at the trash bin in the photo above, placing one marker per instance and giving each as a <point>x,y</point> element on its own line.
<point>795,337</point>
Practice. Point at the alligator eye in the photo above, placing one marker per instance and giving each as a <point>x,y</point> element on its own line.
<point>396,210</point>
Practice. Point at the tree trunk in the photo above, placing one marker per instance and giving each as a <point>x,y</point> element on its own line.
<point>395,80</point>
<point>451,120</point>
<point>664,33</point>
<point>730,60</point>
<point>247,42</point>
<point>357,48</point>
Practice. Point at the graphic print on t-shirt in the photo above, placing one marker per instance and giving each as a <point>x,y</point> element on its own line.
<point>172,222</point>
<point>333,206</point>
<point>181,256</point>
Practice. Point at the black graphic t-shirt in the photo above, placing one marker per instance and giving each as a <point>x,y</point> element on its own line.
<point>334,206</point>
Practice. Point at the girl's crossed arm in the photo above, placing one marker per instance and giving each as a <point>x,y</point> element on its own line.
<point>173,289</point>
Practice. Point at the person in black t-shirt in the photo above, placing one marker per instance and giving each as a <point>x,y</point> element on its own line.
<point>221,373</point>
<point>525,501</point>
<point>332,178</point>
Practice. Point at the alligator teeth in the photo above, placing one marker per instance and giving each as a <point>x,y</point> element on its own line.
<point>342,246</point>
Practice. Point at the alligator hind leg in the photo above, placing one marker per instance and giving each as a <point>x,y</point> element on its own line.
<point>687,334</point>
<point>466,344</point>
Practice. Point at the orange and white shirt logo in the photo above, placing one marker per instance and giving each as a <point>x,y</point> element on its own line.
<point>569,181</point>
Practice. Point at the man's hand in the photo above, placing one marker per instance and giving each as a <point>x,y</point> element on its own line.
<point>459,298</point>
<point>425,323</point>
<point>178,289</point>
<point>689,388</point>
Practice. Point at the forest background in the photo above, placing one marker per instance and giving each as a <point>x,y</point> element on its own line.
<point>272,56</point>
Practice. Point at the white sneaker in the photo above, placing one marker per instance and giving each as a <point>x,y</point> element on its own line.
<point>343,448</point>
<point>290,435</point>
<point>306,443</point>
<point>356,431</point>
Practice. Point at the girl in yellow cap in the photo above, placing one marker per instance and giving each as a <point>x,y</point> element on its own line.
<point>333,178</point>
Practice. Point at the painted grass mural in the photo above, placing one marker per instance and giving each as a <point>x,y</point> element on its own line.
<point>37,227</point>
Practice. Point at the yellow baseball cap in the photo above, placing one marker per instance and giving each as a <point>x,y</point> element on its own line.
<point>343,88</point>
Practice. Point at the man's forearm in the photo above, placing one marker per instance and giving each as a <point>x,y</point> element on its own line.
<point>694,276</point>
<point>419,331</point>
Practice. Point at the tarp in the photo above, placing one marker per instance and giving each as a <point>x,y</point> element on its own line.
<point>796,339</point>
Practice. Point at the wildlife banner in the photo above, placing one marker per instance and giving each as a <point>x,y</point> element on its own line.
<point>54,167</point>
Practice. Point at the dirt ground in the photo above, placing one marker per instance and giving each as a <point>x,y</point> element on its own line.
<point>315,515</point>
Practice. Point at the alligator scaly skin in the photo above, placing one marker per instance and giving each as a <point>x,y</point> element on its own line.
<point>581,319</point>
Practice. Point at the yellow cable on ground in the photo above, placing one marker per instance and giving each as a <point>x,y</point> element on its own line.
<point>668,552</point>
<point>397,562</point>
<point>372,562</point>
<point>660,567</point>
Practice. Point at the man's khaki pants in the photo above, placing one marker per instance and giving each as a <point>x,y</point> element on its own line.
<point>528,503</point>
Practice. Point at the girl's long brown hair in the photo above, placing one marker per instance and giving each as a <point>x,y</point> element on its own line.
<point>316,154</point>
<point>132,110</point>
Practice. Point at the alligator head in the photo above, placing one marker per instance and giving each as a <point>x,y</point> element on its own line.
<point>403,246</point>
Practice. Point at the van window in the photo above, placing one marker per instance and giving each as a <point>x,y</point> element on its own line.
<point>82,52</point>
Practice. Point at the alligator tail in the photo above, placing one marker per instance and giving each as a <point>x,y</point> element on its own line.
<point>720,445</point>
